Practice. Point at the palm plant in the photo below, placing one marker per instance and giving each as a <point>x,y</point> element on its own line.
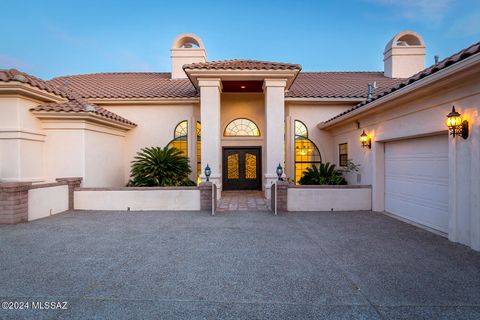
<point>325,174</point>
<point>154,166</point>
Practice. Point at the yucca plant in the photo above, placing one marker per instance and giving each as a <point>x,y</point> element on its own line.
<point>154,166</point>
<point>325,174</point>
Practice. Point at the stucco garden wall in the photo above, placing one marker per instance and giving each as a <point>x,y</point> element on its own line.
<point>174,198</point>
<point>423,113</point>
<point>47,199</point>
<point>329,198</point>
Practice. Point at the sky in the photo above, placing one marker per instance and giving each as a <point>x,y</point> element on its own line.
<point>54,38</point>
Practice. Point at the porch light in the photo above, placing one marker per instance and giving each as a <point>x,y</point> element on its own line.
<point>365,140</point>
<point>456,126</point>
<point>279,172</point>
<point>208,172</point>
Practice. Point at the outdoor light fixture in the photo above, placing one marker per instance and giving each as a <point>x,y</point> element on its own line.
<point>456,126</point>
<point>365,140</point>
<point>208,172</point>
<point>279,172</point>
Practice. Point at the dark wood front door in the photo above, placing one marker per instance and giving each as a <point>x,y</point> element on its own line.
<point>242,169</point>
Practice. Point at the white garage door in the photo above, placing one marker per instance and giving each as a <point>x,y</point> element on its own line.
<point>416,180</point>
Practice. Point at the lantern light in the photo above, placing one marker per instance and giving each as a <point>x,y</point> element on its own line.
<point>365,140</point>
<point>456,126</point>
<point>279,172</point>
<point>208,172</point>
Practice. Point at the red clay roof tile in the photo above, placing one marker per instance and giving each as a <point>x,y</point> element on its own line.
<point>243,65</point>
<point>81,106</point>
<point>127,85</point>
<point>455,58</point>
<point>9,75</point>
<point>338,84</point>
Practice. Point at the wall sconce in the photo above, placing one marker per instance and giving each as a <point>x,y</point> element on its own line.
<point>279,172</point>
<point>456,126</point>
<point>365,140</point>
<point>208,172</point>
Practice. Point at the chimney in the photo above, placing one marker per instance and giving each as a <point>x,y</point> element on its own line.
<point>186,48</point>
<point>404,55</point>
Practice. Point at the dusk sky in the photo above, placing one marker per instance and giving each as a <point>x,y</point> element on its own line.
<point>53,38</point>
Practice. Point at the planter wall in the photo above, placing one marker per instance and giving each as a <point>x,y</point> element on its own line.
<point>329,198</point>
<point>167,198</point>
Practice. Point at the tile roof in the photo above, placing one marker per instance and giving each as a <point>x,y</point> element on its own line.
<point>127,85</point>
<point>455,58</point>
<point>9,75</point>
<point>81,106</point>
<point>243,65</point>
<point>338,84</point>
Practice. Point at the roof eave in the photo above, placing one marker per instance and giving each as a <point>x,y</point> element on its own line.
<point>83,115</point>
<point>241,74</point>
<point>15,87</point>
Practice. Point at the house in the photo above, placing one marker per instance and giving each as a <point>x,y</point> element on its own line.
<point>243,118</point>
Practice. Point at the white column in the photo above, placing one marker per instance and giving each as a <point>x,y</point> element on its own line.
<point>192,147</point>
<point>274,90</point>
<point>210,90</point>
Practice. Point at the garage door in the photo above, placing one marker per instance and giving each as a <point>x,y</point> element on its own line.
<point>416,180</point>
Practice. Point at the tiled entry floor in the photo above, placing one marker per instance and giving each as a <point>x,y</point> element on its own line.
<point>242,201</point>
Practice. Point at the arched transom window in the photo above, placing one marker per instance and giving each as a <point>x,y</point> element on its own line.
<point>306,152</point>
<point>180,138</point>
<point>241,128</point>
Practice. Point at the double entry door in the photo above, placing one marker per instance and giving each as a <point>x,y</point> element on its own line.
<point>242,168</point>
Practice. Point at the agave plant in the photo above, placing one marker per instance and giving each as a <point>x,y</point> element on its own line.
<point>325,174</point>
<point>154,166</point>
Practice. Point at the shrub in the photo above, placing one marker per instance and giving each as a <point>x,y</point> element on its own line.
<point>326,174</point>
<point>157,167</point>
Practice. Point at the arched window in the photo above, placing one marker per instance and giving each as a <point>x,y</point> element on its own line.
<point>306,152</point>
<point>241,128</point>
<point>301,129</point>
<point>180,138</point>
<point>199,148</point>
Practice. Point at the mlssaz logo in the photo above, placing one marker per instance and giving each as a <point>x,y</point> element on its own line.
<point>50,305</point>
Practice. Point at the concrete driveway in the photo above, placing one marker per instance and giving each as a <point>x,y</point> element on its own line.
<point>237,265</point>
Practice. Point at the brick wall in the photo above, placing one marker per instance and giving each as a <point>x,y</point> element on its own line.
<point>206,196</point>
<point>280,195</point>
<point>73,182</point>
<point>14,202</point>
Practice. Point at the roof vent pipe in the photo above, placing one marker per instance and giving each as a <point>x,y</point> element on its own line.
<point>437,58</point>
<point>370,91</point>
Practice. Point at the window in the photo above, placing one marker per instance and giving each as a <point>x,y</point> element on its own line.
<point>306,152</point>
<point>180,138</point>
<point>241,128</point>
<point>343,154</point>
<point>301,129</point>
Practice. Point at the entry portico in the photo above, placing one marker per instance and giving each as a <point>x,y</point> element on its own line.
<point>265,83</point>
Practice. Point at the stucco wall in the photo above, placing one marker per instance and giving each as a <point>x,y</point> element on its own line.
<point>324,198</point>
<point>47,201</point>
<point>311,115</point>
<point>156,125</point>
<point>423,113</point>
<point>104,159</point>
<point>140,199</point>
<point>21,140</point>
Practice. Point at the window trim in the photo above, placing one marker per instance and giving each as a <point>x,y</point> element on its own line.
<point>342,154</point>
<point>242,136</point>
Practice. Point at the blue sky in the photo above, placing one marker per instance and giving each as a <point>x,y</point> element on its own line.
<point>53,38</point>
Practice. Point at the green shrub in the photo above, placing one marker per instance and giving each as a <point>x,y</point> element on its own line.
<point>326,174</point>
<point>157,167</point>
